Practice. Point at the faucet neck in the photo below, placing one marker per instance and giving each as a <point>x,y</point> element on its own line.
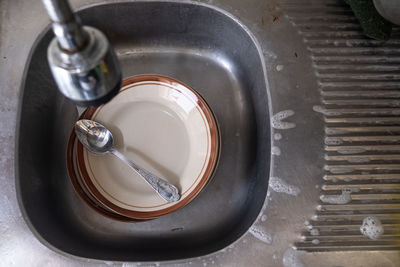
<point>66,26</point>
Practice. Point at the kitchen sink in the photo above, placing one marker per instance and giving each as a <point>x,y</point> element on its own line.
<point>201,46</point>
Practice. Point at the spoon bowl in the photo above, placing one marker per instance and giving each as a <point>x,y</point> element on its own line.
<point>94,136</point>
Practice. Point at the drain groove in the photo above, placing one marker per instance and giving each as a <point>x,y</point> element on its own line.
<point>359,82</point>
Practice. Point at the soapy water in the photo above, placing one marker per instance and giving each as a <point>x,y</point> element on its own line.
<point>343,198</point>
<point>275,151</point>
<point>280,186</point>
<point>261,234</point>
<point>291,258</point>
<point>277,136</point>
<point>372,227</point>
<point>277,123</point>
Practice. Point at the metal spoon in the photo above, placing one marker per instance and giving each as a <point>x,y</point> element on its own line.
<point>98,139</point>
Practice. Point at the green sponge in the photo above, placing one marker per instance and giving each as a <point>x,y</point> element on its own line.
<point>373,24</point>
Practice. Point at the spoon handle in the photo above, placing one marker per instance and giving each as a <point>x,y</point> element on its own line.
<point>166,190</point>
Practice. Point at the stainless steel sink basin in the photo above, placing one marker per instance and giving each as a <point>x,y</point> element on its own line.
<point>204,48</point>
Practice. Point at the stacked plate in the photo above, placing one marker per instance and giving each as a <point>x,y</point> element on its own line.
<point>164,127</point>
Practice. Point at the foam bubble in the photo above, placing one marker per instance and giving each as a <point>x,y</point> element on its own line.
<point>277,136</point>
<point>277,123</point>
<point>263,218</point>
<point>261,234</point>
<point>343,198</point>
<point>280,186</point>
<point>372,227</point>
<point>275,151</point>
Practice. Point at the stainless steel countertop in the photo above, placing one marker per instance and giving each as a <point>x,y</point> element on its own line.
<point>298,161</point>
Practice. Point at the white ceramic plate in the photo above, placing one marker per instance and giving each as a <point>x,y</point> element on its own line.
<point>164,127</point>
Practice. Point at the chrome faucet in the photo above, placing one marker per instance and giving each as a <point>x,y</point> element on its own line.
<point>81,59</point>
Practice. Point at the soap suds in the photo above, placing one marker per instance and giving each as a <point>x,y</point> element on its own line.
<point>261,234</point>
<point>280,186</point>
<point>277,136</point>
<point>343,198</point>
<point>372,227</point>
<point>291,258</point>
<point>263,218</point>
<point>277,123</point>
<point>275,151</point>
